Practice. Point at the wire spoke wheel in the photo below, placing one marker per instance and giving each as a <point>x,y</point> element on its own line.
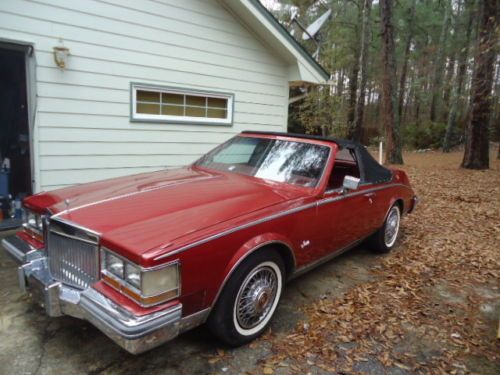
<point>249,299</point>
<point>392,226</point>
<point>256,297</point>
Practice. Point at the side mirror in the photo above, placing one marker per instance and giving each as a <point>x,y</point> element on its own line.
<point>350,183</point>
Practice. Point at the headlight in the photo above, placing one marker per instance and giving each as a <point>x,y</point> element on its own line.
<point>33,224</point>
<point>148,287</point>
<point>160,281</point>
<point>114,264</point>
<point>133,275</point>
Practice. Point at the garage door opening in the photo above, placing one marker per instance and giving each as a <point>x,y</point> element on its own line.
<point>15,153</point>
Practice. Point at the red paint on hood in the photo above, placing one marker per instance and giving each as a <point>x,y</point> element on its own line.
<point>142,212</point>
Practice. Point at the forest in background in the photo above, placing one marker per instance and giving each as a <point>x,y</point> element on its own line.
<point>405,72</point>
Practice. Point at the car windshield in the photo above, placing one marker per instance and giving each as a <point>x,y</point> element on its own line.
<point>297,163</point>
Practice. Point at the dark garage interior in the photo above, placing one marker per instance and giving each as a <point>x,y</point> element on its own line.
<point>15,163</point>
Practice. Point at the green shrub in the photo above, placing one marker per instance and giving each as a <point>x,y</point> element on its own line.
<point>424,135</point>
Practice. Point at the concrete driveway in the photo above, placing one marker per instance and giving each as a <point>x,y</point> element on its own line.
<point>31,343</point>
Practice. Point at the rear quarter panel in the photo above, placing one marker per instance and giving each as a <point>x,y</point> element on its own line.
<point>385,199</point>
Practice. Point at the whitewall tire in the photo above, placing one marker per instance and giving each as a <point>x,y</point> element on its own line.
<point>249,299</point>
<point>257,298</point>
<point>386,237</point>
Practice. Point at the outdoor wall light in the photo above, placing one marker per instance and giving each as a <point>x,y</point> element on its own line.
<point>61,54</point>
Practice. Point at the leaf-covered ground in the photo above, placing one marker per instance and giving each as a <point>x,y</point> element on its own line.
<point>434,304</point>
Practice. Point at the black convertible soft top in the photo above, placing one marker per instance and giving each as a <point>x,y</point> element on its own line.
<point>371,172</point>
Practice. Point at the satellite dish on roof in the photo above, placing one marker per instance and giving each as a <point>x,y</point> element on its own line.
<point>311,32</point>
<point>314,27</point>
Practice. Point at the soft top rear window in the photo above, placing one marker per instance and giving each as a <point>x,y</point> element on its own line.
<point>345,154</point>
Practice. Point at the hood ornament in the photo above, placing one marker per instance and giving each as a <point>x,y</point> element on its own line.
<point>66,202</point>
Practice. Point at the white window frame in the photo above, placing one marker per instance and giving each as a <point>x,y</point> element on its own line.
<point>142,117</point>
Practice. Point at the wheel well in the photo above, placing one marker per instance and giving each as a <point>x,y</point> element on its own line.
<point>286,254</point>
<point>401,205</point>
<point>284,251</point>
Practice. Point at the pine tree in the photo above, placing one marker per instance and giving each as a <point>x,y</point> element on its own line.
<point>476,154</point>
<point>391,118</point>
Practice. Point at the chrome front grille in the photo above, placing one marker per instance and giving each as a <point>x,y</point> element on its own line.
<point>72,260</point>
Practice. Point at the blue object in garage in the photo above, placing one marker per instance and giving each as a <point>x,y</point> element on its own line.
<point>18,208</point>
<point>4,182</point>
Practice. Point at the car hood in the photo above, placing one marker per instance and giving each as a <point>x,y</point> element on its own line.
<point>137,214</point>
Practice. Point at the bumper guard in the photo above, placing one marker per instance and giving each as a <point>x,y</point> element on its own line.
<point>135,334</point>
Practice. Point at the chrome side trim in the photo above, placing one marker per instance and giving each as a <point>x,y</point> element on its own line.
<point>356,193</point>
<point>331,191</point>
<point>235,229</point>
<point>245,256</point>
<point>272,217</point>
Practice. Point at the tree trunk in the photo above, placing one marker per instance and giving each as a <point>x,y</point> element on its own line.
<point>423,70</point>
<point>458,84</point>
<point>357,131</point>
<point>353,83</point>
<point>467,100</point>
<point>439,65</point>
<point>476,154</point>
<point>353,89</point>
<point>417,91</point>
<point>391,120</point>
<point>409,100</point>
<point>450,72</point>
<point>340,84</point>
<point>404,69</point>
<point>495,118</point>
<point>377,109</point>
<point>369,111</point>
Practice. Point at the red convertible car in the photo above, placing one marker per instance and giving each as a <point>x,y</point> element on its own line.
<point>147,257</point>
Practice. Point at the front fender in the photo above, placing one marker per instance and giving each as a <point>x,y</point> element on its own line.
<point>248,248</point>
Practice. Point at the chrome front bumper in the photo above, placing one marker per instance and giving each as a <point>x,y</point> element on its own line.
<point>135,334</point>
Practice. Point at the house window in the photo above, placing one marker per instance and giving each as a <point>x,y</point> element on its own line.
<point>164,104</point>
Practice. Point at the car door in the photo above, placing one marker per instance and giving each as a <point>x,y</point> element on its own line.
<point>343,217</point>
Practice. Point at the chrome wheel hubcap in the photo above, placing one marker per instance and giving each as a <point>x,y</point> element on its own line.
<point>256,297</point>
<point>391,227</point>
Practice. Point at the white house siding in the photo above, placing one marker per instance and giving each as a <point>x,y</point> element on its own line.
<point>82,128</point>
